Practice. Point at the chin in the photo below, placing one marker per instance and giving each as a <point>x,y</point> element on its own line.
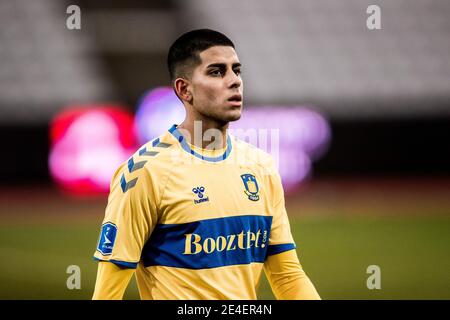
<point>233,116</point>
<point>226,117</point>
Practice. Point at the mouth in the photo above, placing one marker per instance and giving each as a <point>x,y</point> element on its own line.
<point>235,99</point>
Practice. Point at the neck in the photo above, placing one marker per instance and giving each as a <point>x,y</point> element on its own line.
<point>204,133</point>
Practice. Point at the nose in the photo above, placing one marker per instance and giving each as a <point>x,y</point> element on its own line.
<point>235,81</point>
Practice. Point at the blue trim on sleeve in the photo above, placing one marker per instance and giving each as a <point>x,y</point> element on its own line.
<point>279,248</point>
<point>173,130</point>
<point>131,265</point>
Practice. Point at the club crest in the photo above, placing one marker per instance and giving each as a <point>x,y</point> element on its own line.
<point>251,186</point>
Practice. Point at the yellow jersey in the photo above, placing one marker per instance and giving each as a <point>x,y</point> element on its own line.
<point>195,223</point>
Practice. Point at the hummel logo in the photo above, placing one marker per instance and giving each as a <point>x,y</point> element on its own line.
<point>199,192</point>
<point>127,185</point>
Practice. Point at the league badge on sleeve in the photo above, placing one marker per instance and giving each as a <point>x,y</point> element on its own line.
<point>107,238</point>
<point>251,186</point>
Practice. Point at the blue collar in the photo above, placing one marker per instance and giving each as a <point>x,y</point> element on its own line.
<point>174,131</point>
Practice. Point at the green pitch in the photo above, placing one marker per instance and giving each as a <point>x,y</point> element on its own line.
<point>412,252</point>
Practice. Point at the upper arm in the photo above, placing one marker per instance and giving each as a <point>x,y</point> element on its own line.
<point>281,239</point>
<point>130,217</point>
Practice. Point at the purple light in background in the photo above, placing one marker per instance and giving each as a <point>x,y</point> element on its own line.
<point>157,111</point>
<point>303,137</point>
<point>304,134</point>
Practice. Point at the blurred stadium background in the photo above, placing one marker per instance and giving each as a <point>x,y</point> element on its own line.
<point>364,113</point>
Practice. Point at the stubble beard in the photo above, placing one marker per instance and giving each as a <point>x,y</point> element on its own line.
<point>221,119</point>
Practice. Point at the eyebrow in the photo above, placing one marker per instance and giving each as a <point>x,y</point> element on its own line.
<point>223,65</point>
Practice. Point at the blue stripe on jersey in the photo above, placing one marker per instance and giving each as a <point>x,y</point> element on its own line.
<point>173,130</point>
<point>279,248</point>
<point>209,243</point>
<point>155,142</point>
<point>131,265</point>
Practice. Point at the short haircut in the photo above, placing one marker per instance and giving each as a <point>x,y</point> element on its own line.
<point>184,53</point>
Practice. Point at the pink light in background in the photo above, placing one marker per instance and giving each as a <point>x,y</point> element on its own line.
<point>304,134</point>
<point>88,144</point>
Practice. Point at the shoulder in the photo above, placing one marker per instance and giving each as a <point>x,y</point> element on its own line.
<point>149,162</point>
<point>153,153</point>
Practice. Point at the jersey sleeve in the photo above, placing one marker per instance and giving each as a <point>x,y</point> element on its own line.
<point>130,217</point>
<point>111,281</point>
<point>280,239</point>
<point>287,278</point>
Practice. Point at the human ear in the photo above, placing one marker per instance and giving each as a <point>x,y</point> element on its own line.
<point>182,89</point>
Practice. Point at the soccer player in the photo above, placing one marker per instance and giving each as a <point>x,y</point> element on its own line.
<point>195,218</point>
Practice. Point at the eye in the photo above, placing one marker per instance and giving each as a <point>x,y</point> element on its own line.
<point>237,72</point>
<point>216,72</point>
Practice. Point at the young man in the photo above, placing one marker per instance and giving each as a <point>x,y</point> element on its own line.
<point>197,219</point>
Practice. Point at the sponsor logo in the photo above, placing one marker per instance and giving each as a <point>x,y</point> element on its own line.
<point>194,243</point>
<point>209,243</point>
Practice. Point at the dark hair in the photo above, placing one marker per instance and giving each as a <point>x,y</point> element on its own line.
<point>184,52</point>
